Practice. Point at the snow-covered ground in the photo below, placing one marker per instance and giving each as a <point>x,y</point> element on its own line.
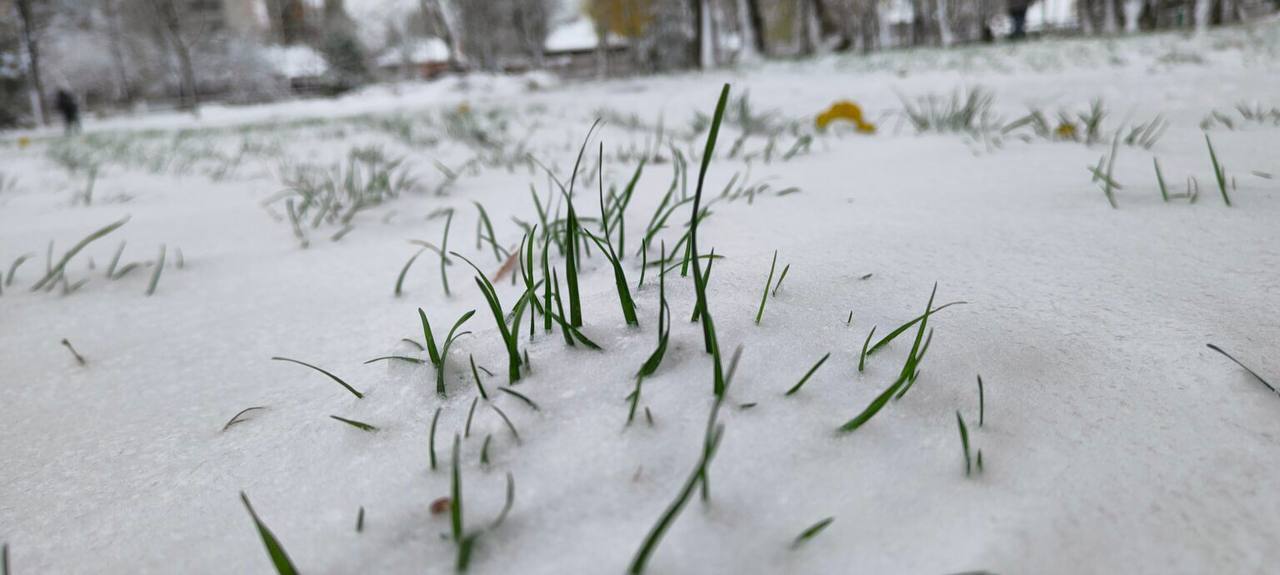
<point>1112,439</point>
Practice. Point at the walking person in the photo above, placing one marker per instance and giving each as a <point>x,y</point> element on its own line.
<point>1018,17</point>
<point>70,111</point>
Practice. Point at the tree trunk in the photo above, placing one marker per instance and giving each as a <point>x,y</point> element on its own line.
<point>803,29</point>
<point>701,34</point>
<point>1132,9</point>
<point>1085,17</point>
<point>755,21</point>
<point>750,49</point>
<point>111,10</point>
<point>944,24</point>
<point>1109,17</point>
<point>1202,16</point>
<point>171,21</point>
<point>31,43</point>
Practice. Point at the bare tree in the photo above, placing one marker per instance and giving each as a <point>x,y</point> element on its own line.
<point>532,20</point>
<point>170,18</point>
<point>115,39</point>
<point>752,26</point>
<point>33,19</point>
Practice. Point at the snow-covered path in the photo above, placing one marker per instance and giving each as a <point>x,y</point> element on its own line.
<point>1114,441</point>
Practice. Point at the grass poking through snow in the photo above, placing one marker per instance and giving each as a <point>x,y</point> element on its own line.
<point>362,426</point>
<point>238,418</point>
<point>331,376</point>
<point>1245,367</point>
<point>276,551</point>
<point>808,374</point>
<point>811,532</point>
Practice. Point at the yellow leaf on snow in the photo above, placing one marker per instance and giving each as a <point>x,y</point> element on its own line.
<point>849,111</point>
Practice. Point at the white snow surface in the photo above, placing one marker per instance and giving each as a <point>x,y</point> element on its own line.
<point>1113,440</point>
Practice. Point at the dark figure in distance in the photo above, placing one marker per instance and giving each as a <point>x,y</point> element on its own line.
<point>1018,17</point>
<point>66,105</point>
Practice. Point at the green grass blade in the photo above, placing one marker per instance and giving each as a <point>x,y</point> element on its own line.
<point>1218,173</point>
<point>276,551</point>
<point>236,418</point>
<point>808,374</point>
<point>767,284</point>
<point>56,270</point>
<point>362,426</point>
<point>1164,191</point>
<point>476,375</point>
<point>904,327</point>
<point>964,442</point>
<point>522,397</point>
<point>331,376</point>
<point>455,493</point>
<point>811,532</point>
<point>1244,367</point>
<point>431,439</point>
<point>155,274</point>
<point>862,357</point>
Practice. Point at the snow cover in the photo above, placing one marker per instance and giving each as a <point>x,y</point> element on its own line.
<point>1113,440</point>
<point>296,61</point>
<point>421,51</point>
<point>574,35</point>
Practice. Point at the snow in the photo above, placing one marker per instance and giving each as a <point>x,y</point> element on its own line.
<point>574,35</point>
<point>296,61</point>
<point>421,51</point>
<point>1113,441</point>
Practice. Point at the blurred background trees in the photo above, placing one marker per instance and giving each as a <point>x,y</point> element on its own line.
<point>128,54</point>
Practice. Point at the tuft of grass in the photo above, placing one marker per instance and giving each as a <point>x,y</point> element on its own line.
<point>964,442</point>
<point>1243,366</point>
<point>79,359</point>
<point>811,532</point>
<point>237,417</point>
<point>767,284</point>
<point>808,374</point>
<point>522,397</point>
<point>362,426</point>
<point>495,305</point>
<point>908,369</point>
<point>279,558</point>
<point>331,376</point>
<point>699,477</point>
<point>1219,172</point>
<point>155,274</point>
<point>55,271</point>
<point>439,354</point>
